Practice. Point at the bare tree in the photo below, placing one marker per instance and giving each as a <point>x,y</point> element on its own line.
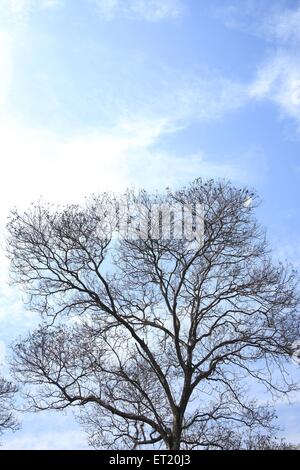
<point>156,340</point>
<point>7,418</point>
<point>262,442</point>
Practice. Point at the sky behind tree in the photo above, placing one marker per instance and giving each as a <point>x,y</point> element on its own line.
<point>105,94</point>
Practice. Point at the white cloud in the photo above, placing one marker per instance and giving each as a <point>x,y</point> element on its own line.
<point>64,440</point>
<point>283,25</point>
<point>278,76</point>
<point>2,352</point>
<point>5,64</point>
<point>273,21</point>
<point>61,169</point>
<point>48,4</point>
<point>243,16</point>
<point>149,10</point>
<point>17,13</point>
<point>278,80</point>
<point>180,97</point>
<point>19,6</point>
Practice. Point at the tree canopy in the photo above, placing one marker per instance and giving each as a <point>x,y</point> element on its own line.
<point>155,339</point>
<point>7,418</point>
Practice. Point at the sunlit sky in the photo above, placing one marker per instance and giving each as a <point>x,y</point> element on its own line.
<point>106,94</point>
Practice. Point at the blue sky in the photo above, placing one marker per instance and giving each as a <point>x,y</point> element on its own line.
<point>105,94</point>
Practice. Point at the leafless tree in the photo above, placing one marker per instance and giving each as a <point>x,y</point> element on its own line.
<point>263,442</point>
<point>7,418</point>
<point>157,341</point>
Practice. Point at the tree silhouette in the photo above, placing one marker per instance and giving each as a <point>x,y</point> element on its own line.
<point>7,419</point>
<point>155,339</point>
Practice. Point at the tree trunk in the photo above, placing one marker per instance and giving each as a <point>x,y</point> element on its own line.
<point>176,434</point>
<point>175,444</point>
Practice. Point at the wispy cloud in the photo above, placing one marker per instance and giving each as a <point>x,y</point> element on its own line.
<point>114,155</point>
<point>64,440</point>
<point>149,10</point>
<point>278,80</point>
<point>246,16</point>
<point>67,168</point>
<point>5,64</point>
<point>274,22</point>
<point>18,6</point>
<point>2,352</point>
<point>185,97</point>
<point>283,24</point>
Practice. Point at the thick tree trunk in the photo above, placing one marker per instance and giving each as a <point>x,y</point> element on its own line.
<point>175,444</point>
<point>176,434</point>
